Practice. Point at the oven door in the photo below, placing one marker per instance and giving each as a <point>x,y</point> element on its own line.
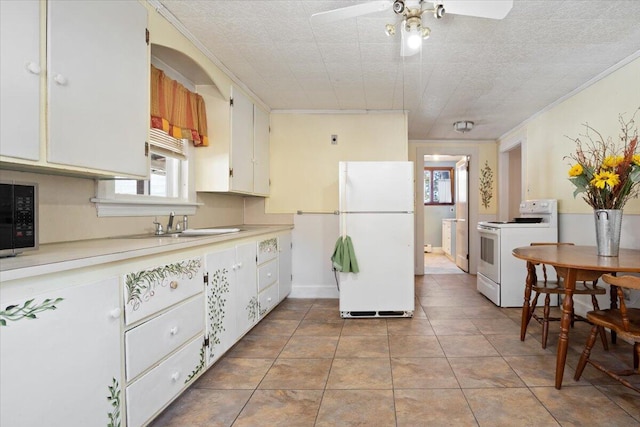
<point>489,263</point>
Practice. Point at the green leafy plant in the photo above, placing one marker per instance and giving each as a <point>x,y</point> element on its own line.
<point>253,309</point>
<point>27,310</point>
<point>216,303</point>
<point>114,398</point>
<point>198,368</point>
<point>607,173</point>
<point>486,184</point>
<point>143,284</point>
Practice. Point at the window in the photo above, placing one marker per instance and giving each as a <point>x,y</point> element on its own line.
<point>438,186</point>
<point>167,158</point>
<point>171,183</point>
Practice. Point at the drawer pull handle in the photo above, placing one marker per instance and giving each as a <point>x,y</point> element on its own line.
<point>173,330</point>
<point>175,376</point>
<point>173,284</point>
<point>239,265</point>
<point>269,299</point>
<point>268,274</point>
<point>115,313</point>
<point>60,80</point>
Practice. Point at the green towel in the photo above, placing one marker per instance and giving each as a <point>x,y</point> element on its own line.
<point>344,257</point>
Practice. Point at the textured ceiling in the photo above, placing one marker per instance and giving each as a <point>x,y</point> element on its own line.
<point>496,73</point>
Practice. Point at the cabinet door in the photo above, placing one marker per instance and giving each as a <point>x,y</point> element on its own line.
<point>248,310</point>
<point>284,265</point>
<point>260,151</point>
<point>62,348</point>
<point>20,79</point>
<point>242,143</point>
<point>221,302</point>
<point>98,85</point>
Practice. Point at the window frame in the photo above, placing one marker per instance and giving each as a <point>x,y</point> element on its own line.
<point>433,169</point>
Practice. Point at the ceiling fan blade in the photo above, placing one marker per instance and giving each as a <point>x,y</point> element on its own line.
<point>494,9</point>
<point>350,11</point>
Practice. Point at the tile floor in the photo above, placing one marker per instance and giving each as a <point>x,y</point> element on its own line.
<point>457,362</point>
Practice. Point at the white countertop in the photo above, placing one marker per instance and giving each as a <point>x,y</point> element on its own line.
<point>54,257</point>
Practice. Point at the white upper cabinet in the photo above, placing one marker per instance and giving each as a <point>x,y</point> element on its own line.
<point>241,143</point>
<point>260,151</point>
<point>20,72</point>
<point>98,85</point>
<point>238,159</point>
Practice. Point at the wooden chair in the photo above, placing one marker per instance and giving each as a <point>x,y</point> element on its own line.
<point>624,321</point>
<point>586,284</point>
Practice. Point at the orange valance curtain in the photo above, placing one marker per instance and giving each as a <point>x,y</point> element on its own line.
<point>176,110</point>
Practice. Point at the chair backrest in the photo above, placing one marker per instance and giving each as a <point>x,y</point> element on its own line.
<point>623,282</point>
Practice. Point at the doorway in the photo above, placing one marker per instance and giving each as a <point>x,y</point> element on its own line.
<point>456,152</point>
<point>511,183</point>
<point>441,193</point>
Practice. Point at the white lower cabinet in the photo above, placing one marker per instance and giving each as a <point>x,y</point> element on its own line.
<point>285,278</point>
<point>60,357</point>
<point>147,395</point>
<point>267,274</point>
<point>148,343</point>
<point>129,333</point>
<point>164,338</point>
<point>231,301</point>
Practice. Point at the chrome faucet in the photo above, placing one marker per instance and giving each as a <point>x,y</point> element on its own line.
<point>170,223</point>
<point>159,231</point>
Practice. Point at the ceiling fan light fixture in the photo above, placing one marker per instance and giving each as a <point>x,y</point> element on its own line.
<point>390,30</point>
<point>463,126</point>
<point>414,37</point>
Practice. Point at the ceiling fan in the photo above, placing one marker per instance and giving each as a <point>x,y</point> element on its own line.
<point>412,28</point>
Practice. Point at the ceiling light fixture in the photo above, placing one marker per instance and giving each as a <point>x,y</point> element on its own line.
<point>390,30</point>
<point>463,126</point>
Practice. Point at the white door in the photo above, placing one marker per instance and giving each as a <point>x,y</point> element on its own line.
<point>462,214</point>
<point>376,186</point>
<point>241,143</point>
<point>63,355</point>
<point>98,86</point>
<point>220,304</point>
<point>247,308</point>
<point>383,246</point>
<point>20,79</point>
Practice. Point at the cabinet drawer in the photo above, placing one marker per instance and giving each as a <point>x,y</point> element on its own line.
<point>267,250</point>
<point>150,342</point>
<point>149,394</point>
<point>268,298</point>
<point>148,291</point>
<point>267,274</point>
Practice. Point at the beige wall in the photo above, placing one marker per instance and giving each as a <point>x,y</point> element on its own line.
<point>547,143</point>
<point>304,163</point>
<point>66,214</point>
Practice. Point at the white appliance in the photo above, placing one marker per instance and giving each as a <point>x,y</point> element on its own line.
<point>376,211</point>
<point>501,276</point>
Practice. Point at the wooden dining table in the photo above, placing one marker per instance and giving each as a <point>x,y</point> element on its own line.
<point>575,260</point>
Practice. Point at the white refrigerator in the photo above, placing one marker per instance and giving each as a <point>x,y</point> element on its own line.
<point>376,211</point>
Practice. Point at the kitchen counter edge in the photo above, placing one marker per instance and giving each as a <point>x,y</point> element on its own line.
<point>55,257</point>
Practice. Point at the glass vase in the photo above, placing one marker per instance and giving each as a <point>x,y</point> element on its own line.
<point>608,226</point>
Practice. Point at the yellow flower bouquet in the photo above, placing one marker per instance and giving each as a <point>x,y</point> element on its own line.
<point>608,173</point>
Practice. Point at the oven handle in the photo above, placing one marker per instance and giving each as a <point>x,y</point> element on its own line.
<point>488,230</point>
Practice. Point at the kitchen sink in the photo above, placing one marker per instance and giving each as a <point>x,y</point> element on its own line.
<point>186,234</point>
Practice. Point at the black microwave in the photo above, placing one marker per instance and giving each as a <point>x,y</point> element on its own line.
<point>18,217</point>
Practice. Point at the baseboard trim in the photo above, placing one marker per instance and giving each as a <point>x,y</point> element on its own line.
<point>314,291</point>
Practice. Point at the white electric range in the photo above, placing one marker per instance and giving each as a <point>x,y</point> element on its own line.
<point>501,276</point>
